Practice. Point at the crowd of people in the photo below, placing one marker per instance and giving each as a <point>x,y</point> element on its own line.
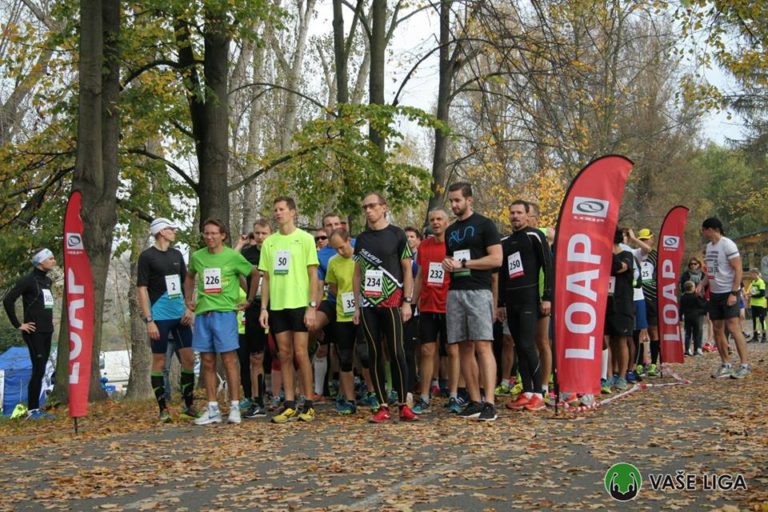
<point>395,317</point>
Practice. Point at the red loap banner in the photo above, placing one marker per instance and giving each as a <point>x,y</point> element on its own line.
<point>583,256</point>
<point>670,249</point>
<point>78,284</point>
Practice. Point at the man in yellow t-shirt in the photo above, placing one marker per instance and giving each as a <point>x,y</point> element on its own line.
<point>289,290</point>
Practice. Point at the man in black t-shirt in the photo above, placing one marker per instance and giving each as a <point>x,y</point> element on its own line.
<point>383,285</point>
<point>254,341</point>
<point>473,250</point>
<point>620,311</point>
<point>161,270</point>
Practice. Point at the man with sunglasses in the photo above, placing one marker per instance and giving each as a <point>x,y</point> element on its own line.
<point>161,272</point>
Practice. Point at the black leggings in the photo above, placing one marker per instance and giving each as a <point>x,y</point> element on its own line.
<point>758,312</point>
<point>39,345</point>
<point>382,325</point>
<point>344,337</point>
<point>522,319</point>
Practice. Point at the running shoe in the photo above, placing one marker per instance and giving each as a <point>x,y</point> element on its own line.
<point>453,405</point>
<point>274,403</point>
<point>210,416</point>
<point>472,410</point>
<point>165,416</point>
<point>550,399</point>
<point>631,377</point>
<point>723,371</point>
<point>535,403</point>
<point>346,407</point>
<point>488,413</point>
<point>640,370</point>
<point>308,414</point>
<point>392,397</point>
<point>234,416</point>
<point>381,416</point>
<point>255,411</point>
<point>421,406</point>
<point>245,404</point>
<point>333,388</point>
<point>762,338</point>
<point>406,414</point>
<point>605,389</point>
<point>516,389</point>
<point>651,370</point>
<point>435,391</point>
<point>317,399</point>
<point>519,403</point>
<point>587,400</point>
<point>742,373</point>
<point>699,352</point>
<point>503,390</point>
<point>37,414</point>
<point>288,414</point>
<point>371,401</point>
<point>621,384</point>
<point>189,413</point>
<point>20,411</point>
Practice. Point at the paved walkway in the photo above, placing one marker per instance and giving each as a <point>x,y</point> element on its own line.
<point>123,459</point>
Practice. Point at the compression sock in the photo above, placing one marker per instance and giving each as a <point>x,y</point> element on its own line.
<point>187,384</point>
<point>604,365</point>
<point>156,379</point>
<point>655,346</point>
<point>320,365</point>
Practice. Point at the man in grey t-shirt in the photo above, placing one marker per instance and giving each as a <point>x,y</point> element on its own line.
<point>724,280</point>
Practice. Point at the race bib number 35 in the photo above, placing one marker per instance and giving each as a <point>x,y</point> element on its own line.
<point>212,280</point>
<point>373,285</point>
<point>436,275</point>
<point>348,303</point>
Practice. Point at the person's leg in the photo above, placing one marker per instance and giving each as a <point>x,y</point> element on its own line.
<point>36,344</point>
<point>208,363</point>
<point>229,361</point>
<point>487,362</point>
<point>697,328</point>
<point>718,330</point>
<point>734,326</point>
<point>187,376</point>
<point>284,341</point>
<point>320,358</point>
<point>257,376</point>
<point>394,338</point>
<point>372,334</point>
<point>545,351</point>
<point>162,353</point>
<point>344,334</point>
<point>426,363</point>
<point>244,357</point>
<point>301,356</point>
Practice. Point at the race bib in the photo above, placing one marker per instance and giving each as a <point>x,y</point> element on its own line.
<point>348,303</point>
<point>647,271</point>
<point>436,275</point>
<point>463,254</point>
<point>212,280</point>
<point>47,299</point>
<point>173,286</point>
<point>282,262</point>
<point>515,265</point>
<point>373,283</point>
<point>611,285</point>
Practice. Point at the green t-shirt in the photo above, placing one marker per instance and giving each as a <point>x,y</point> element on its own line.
<point>218,278</point>
<point>286,258</point>
<point>341,272</point>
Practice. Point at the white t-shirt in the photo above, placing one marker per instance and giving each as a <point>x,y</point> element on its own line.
<point>637,293</point>
<point>719,269</point>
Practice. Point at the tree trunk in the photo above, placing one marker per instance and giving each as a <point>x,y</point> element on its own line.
<point>61,382</point>
<point>340,54</point>
<point>378,47</point>
<point>213,148</point>
<point>96,166</point>
<point>446,70</point>
<point>139,386</point>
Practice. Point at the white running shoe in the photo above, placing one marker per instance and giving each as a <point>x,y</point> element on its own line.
<point>210,416</point>
<point>234,415</point>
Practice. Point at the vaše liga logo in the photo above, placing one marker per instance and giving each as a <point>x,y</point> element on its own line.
<point>623,481</point>
<point>590,206</point>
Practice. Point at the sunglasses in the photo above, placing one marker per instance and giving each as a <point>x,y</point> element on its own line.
<point>321,237</point>
<point>693,264</point>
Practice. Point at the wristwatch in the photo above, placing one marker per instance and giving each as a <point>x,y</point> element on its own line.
<point>407,299</point>
<point>463,263</point>
<point>148,320</point>
<point>313,304</point>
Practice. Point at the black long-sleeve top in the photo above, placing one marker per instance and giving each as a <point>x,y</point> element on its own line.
<point>32,288</point>
<point>525,253</point>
